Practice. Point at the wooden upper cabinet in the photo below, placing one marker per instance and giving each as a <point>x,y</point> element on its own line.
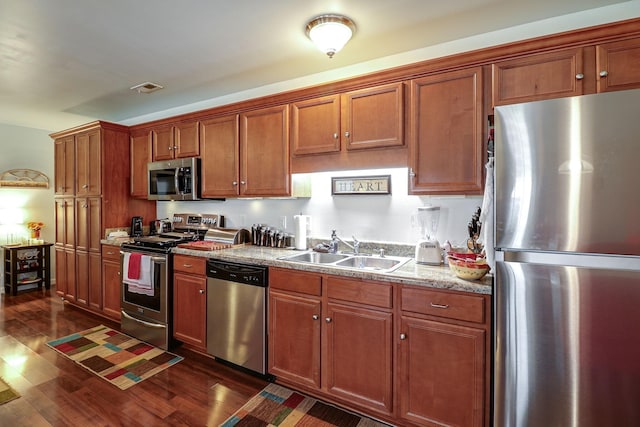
<point>88,163</point>
<point>140,155</point>
<point>176,141</point>
<point>315,125</point>
<point>540,76</point>
<point>360,119</point>
<point>187,139</point>
<point>64,166</point>
<point>447,138</point>
<point>220,147</point>
<point>618,65</point>
<point>374,117</point>
<point>264,152</point>
<point>163,143</point>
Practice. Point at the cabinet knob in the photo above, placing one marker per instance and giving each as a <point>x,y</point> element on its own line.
<point>85,186</point>
<point>170,148</point>
<point>235,183</point>
<point>347,134</point>
<point>315,317</point>
<point>187,265</point>
<point>242,182</point>
<point>327,319</point>
<point>335,136</point>
<point>403,336</point>
<point>579,76</point>
<point>118,273</point>
<point>110,253</point>
<point>411,173</point>
<point>604,73</point>
<point>201,291</point>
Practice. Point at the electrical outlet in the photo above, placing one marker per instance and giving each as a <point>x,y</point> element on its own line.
<point>283,222</point>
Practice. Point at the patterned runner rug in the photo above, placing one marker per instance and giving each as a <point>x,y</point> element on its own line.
<point>279,406</point>
<point>6,392</point>
<point>116,357</point>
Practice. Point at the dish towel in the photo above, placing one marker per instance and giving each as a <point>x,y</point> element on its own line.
<point>486,216</point>
<point>134,266</point>
<point>144,284</point>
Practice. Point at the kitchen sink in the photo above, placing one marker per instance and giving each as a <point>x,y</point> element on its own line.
<point>370,262</point>
<point>350,261</point>
<point>315,257</point>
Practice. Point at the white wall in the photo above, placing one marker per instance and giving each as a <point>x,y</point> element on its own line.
<point>385,218</point>
<point>26,148</point>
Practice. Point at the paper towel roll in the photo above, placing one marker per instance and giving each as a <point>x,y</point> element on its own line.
<point>301,224</point>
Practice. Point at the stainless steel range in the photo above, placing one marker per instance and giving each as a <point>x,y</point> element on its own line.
<point>146,267</point>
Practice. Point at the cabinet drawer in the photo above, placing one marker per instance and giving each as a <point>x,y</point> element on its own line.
<point>189,264</point>
<point>363,292</point>
<point>111,252</point>
<point>454,306</point>
<point>295,281</point>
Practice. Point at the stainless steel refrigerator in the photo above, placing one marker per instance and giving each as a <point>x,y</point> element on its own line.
<point>567,283</point>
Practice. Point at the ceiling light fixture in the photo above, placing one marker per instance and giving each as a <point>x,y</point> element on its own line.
<point>146,87</point>
<point>330,32</point>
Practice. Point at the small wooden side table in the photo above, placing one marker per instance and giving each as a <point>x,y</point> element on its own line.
<point>26,264</point>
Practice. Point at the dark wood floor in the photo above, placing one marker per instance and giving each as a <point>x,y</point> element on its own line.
<point>57,392</point>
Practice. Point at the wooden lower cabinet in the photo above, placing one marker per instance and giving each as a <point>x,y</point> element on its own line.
<point>190,301</point>
<point>359,363</point>
<point>419,360</point>
<point>66,273</point>
<point>111,282</point>
<point>336,348</point>
<point>294,338</point>
<point>442,373</point>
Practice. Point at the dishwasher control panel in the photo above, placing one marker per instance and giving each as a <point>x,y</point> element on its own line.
<point>237,272</point>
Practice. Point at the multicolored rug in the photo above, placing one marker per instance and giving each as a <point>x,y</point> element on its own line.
<point>116,357</point>
<point>7,393</point>
<point>279,406</point>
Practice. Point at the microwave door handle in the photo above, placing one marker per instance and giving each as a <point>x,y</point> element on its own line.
<point>176,178</point>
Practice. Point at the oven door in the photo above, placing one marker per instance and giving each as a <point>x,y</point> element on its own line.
<point>153,307</point>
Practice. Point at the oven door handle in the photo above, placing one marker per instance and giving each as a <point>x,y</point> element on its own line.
<point>149,324</point>
<point>154,259</point>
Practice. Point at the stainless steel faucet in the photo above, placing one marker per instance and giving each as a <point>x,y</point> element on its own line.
<point>333,245</point>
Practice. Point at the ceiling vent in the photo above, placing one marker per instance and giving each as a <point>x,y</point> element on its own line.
<point>147,87</point>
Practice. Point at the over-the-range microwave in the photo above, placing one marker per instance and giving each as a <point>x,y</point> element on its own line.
<point>177,179</point>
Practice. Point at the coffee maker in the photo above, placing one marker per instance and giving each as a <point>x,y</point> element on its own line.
<point>428,249</point>
<point>136,226</point>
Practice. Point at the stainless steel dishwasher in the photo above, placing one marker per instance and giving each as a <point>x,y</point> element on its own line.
<point>237,314</point>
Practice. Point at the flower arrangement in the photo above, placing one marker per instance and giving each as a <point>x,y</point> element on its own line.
<point>35,227</point>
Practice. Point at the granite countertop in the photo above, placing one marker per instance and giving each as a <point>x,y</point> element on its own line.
<point>410,273</point>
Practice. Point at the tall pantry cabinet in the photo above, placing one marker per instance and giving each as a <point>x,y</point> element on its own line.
<point>91,195</point>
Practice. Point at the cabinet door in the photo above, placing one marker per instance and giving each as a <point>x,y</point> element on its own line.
<point>163,143</point>
<point>65,222</point>
<point>373,117</point>
<point>82,278</point>
<point>82,220</point>
<point>95,281</point>
<point>88,164</point>
<point>61,272</point>
<point>359,361</point>
<point>294,338</point>
<point>447,139</point>
<point>220,157</point>
<point>618,65</point>
<point>111,283</point>
<point>69,267</point>
<point>64,166</point>
<point>95,223</point>
<point>140,156</point>
<point>187,139</point>
<point>539,76</point>
<point>190,309</point>
<point>442,371</point>
<point>264,152</point>
<point>315,126</point>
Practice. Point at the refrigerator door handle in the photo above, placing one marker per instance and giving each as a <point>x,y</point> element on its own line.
<point>614,262</point>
